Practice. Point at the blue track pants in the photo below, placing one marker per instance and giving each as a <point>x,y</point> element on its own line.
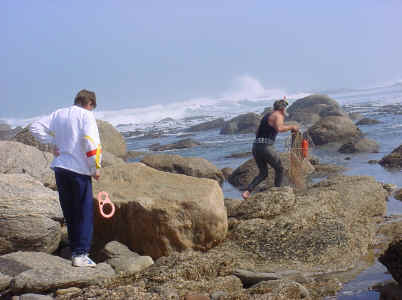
<point>76,200</point>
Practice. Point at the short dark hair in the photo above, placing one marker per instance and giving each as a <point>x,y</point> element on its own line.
<point>279,104</point>
<point>85,97</point>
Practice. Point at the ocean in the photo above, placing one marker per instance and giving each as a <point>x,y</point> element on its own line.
<point>383,103</point>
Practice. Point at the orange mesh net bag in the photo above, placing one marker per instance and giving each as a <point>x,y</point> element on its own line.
<point>299,164</point>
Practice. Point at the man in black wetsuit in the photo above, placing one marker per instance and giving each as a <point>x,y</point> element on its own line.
<point>263,147</point>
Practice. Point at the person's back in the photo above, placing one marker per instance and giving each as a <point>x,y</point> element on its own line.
<point>70,128</point>
<point>265,130</point>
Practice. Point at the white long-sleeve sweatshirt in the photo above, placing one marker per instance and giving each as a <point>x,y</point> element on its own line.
<point>74,132</point>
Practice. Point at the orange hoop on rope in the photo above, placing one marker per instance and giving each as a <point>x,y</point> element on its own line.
<point>103,199</point>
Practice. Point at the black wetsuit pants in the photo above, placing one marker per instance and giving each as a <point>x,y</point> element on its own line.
<point>265,154</point>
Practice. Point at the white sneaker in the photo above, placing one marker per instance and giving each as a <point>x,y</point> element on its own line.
<point>83,261</point>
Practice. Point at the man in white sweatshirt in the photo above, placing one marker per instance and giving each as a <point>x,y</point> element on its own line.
<point>78,154</point>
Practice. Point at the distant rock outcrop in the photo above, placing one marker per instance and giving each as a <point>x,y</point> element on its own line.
<point>182,144</point>
<point>217,123</point>
<point>367,121</point>
<point>245,123</point>
<point>311,109</point>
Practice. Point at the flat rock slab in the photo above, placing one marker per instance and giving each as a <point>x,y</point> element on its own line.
<point>38,272</point>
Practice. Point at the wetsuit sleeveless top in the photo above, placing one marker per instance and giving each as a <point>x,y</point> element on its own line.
<point>265,130</point>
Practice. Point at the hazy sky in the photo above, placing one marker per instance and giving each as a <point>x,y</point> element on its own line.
<point>138,53</point>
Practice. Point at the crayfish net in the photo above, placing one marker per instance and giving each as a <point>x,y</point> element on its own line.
<point>299,165</point>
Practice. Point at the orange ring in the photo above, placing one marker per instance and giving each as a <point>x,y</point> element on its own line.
<point>102,203</point>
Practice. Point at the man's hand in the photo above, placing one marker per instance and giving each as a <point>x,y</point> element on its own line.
<point>56,151</point>
<point>96,176</point>
<point>295,128</point>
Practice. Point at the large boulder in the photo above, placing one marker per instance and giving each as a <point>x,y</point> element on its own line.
<point>311,109</point>
<point>245,123</point>
<point>359,146</point>
<point>30,215</point>
<point>392,160</point>
<point>244,174</point>
<point>38,271</point>
<point>17,158</point>
<point>334,129</point>
<point>158,213</point>
<point>111,139</point>
<point>327,227</point>
<point>191,166</point>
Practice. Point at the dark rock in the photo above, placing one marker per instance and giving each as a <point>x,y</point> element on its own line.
<point>355,116</point>
<point>392,259</point>
<point>392,160</point>
<point>218,123</point>
<point>227,172</point>
<point>398,194</point>
<point>367,121</point>
<point>182,144</point>
<point>244,174</point>
<point>239,155</point>
<point>359,146</point>
<point>249,278</point>
<point>246,123</point>
<point>373,161</point>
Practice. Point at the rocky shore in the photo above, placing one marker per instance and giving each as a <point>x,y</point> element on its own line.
<point>175,236</point>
